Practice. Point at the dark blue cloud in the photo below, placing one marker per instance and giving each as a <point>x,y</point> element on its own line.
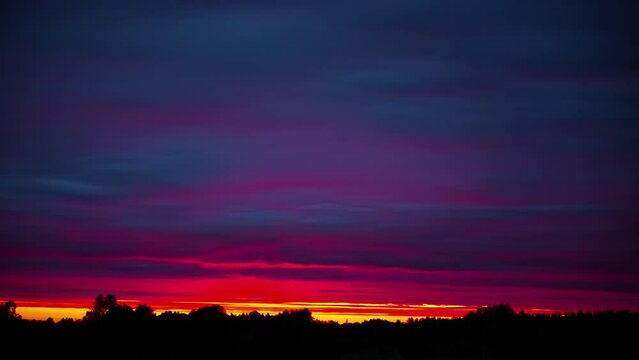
<point>485,136</point>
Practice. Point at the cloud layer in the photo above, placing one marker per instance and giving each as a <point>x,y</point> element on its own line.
<point>413,152</point>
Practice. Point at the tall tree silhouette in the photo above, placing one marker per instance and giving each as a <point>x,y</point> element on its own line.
<point>101,306</point>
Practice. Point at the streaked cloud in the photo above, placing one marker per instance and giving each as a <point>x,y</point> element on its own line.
<point>468,152</point>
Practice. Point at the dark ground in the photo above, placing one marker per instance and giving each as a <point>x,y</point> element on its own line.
<point>119,332</point>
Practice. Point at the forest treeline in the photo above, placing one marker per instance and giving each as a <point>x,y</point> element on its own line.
<point>114,330</point>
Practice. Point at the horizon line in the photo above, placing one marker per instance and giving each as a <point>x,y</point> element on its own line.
<point>341,312</point>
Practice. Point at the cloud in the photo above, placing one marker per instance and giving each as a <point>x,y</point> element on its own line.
<point>496,138</point>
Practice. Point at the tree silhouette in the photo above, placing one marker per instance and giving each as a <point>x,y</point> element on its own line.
<point>144,312</point>
<point>208,313</point>
<point>101,306</point>
<point>497,311</point>
<point>296,316</point>
<point>8,311</point>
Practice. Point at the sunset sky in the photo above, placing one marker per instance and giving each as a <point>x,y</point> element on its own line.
<point>359,158</point>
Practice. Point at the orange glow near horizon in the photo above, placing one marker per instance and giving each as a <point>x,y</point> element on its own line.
<point>341,301</point>
<point>325,311</point>
<point>354,294</point>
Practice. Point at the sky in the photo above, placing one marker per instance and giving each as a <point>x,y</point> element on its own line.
<point>360,158</point>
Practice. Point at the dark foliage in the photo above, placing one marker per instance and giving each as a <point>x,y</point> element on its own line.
<point>111,330</point>
<point>8,312</point>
